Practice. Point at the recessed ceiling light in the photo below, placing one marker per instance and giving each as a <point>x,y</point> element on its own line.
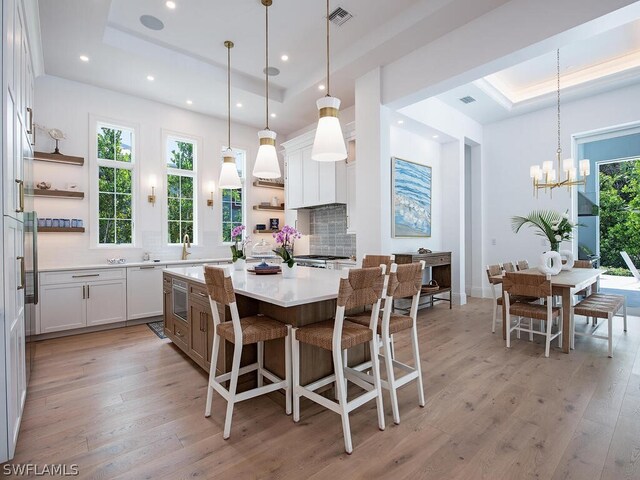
<point>84,58</point>
<point>189,102</point>
<point>171,5</point>
<point>400,122</point>
<point>321,87</point>
<point>273,115</point>
<point>436,136</point>
<point>284,58</point>
<point>239,105</point>
<point>151,78</point>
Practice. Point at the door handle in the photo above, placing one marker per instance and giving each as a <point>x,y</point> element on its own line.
<point>20,208</point>
<point>148,267</point>
<point>23,275</point>
<point>30,112</point>
<point>84,293</point>
<point>88,292</point>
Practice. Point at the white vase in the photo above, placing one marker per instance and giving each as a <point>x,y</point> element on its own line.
<point>289,272</point>
<point>239,264</point>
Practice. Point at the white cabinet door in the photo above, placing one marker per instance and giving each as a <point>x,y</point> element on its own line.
<point>62,307</point>
<point>351,197</point>
<point>326,182</point>
<point>310,180</point>
<point>14,327</point>
<point>106,302</point>
<point>293,181</point>
<point>144,291</point>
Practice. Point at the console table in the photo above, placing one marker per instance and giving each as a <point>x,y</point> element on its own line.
<point>438,265</point>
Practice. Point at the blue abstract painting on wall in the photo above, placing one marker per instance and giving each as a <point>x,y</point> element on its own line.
<point>411,193</point>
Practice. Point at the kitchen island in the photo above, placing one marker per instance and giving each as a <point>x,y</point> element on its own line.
<point>308,298</point>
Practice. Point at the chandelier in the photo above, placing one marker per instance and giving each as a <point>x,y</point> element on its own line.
<point>548,177</point>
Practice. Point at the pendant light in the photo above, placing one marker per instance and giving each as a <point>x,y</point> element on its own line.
<point>328,146</point>
<point>229,177</point>
<point>548,177</point>
<point>267,165</point>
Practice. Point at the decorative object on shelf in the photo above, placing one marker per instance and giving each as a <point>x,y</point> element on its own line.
<point>568,260</point>
<point>116,261</point>
<point>262,250</point>
<point>430,287</point>
<point>266,164</point>
<point>546,176</point>
<point>275,202</point>
<point>57,135</point>
<point>328,145</point>
<point>555,227</point>
<point>212,188</point>
<point>238,253</point>
<point>550,263</point>
<point>286,239</point>
<point>146,256</point>
<point>411,197</point>
<point>424,251</point>
<point>43,186</point>
<point>261,226</point>
<point>274,223</point>
<point>229,178</point>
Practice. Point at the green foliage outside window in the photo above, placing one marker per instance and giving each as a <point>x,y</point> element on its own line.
<point>619,212</point>
<point>231,212</point>
<point>180,193</point>
<point>115,188</point>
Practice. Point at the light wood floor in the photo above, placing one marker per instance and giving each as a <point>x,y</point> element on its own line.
<point>125,404</point>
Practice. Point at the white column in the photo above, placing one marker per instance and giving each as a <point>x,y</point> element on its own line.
<point>372,148</point>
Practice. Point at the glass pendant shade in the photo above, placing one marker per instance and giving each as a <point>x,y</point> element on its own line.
<point>267,165</point>
<point>229,178</point>
<point>329,145</point>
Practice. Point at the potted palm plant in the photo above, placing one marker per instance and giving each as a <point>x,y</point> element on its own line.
<point>555,226</point>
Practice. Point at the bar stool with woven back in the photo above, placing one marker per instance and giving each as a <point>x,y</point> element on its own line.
<point>358,288</point>
<point>242,331</point>
<point>405,281</point>
<point>534,286</point>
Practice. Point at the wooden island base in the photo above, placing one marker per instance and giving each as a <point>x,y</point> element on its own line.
<point>195,336</point>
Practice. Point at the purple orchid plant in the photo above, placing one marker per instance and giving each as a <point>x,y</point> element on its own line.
<point>286,238</point>
<point>239,244</point>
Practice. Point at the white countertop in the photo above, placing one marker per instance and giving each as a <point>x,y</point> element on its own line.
<point>309,286</point>
<point>132,264</point>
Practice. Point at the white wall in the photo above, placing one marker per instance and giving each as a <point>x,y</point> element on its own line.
<point>68,105</point>
<point>511,146</point>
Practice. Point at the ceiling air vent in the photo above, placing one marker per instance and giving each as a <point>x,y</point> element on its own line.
<point>467,99</point>
<point>339,16</point>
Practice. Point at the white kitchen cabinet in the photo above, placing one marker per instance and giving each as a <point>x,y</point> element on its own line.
<point>351,197</point>
<point>144,291</point>
<point>293,180</point>
<point>83,298</point>
<point>62,307</point>
<point>106,302</point>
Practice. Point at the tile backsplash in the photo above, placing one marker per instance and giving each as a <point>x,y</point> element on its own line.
<point>328,225</point>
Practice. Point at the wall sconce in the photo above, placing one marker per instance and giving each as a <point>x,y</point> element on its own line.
<point>212,187</point>
<point>152,198</point>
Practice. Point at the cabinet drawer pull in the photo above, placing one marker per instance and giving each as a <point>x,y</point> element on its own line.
<point>30,112</point>
<point>88,292</point>
<point>22,273</point>
<point>20,208</point>
<point>84,292</point>
<point>179,333</point>
<point>85,276</point>
<point>148,267</point>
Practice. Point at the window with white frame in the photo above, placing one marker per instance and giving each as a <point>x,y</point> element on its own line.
<point>181,160</point>
<point>116,172</point>
<point>233,200</point>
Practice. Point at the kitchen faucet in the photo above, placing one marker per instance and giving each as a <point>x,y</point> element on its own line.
<point>186,243</point>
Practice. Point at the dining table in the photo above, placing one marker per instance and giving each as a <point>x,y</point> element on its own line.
<point>565,285</point>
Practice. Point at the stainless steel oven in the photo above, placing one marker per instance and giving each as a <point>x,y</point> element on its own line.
<point>179,294</point>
